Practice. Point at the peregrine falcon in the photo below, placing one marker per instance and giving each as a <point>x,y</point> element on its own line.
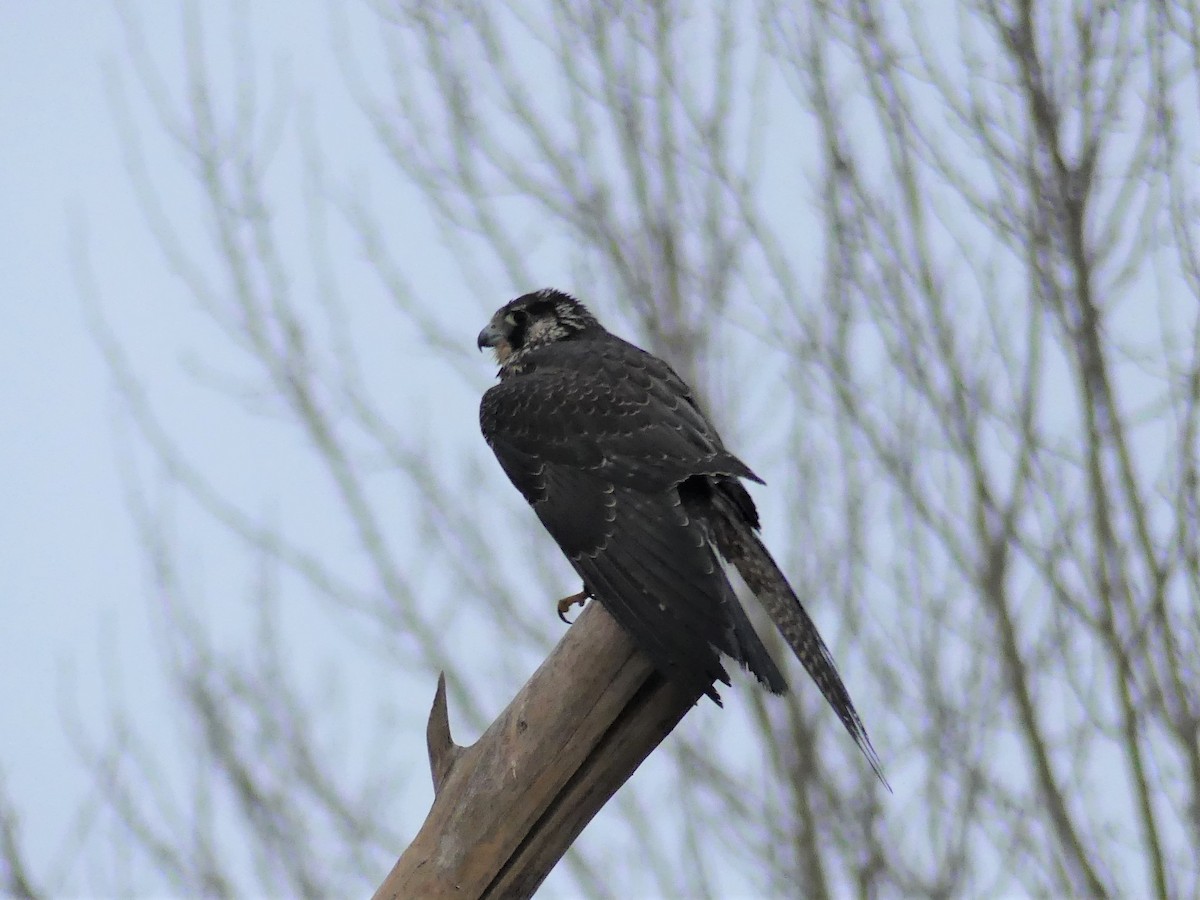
<point>631,479</point>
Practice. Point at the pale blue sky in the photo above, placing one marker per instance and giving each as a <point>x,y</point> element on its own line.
<point>69,567</point>
<point>80,623</point>
<point>74,594</point>
<point>77,614</point>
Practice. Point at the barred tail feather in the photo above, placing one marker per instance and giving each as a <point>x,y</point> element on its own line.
<point>741,546</point>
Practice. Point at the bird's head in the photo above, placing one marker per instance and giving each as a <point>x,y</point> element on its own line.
<point>532,321</point>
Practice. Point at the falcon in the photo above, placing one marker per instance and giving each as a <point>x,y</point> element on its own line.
<point>610,448</point>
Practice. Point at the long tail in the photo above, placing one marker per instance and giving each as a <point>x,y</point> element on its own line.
<point>741,546</point>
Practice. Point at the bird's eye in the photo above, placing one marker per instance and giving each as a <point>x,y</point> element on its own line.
<point>517,317</point>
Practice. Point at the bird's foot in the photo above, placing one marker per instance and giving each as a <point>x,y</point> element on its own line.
<point>565,604</point>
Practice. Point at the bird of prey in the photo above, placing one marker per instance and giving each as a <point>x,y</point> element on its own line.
<point>632,481</point>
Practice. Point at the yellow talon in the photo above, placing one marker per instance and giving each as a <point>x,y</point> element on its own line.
<point>566,603</point>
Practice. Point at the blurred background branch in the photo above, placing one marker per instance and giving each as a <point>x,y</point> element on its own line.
<point>934,269</point>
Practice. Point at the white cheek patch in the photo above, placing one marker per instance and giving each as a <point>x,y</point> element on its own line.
<point>542,330</point>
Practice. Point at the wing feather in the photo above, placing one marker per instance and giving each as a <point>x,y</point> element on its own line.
<point>587,411</point>
<point>598,443</point>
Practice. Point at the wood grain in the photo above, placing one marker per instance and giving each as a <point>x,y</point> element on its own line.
<point>507,807</point>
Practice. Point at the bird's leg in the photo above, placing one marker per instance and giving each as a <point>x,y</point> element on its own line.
<point>565,604</point>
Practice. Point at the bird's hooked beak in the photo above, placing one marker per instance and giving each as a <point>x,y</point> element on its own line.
<point>491,336</point>
<point>496,337</point>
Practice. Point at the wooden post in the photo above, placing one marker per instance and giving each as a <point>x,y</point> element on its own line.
<point>507,807</point>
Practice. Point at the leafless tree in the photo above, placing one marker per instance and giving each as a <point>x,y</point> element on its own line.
<point>935,268</point>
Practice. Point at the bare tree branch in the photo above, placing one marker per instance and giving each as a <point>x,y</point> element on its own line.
<point>937,271</point>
